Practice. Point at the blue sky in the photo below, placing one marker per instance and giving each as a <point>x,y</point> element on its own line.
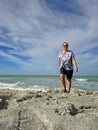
<point>32,32</point>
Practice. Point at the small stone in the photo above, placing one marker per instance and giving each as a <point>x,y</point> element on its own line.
<point>19,100</point>
<point>88,93</point>
<point>47,103</point>
<point>38,96</point>
<point>56,110</point>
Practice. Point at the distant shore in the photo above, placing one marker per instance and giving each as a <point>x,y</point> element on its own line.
<point>51,109</point>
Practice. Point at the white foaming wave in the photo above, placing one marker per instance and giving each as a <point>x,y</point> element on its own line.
<point>9,84</point>
<point>23,87</point>
<point>40,88</point>
<point>81,80</point>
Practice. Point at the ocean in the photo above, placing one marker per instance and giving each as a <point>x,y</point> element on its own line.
<point>28,82</point>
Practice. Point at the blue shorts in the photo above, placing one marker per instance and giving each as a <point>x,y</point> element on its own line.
<point>68,73</point>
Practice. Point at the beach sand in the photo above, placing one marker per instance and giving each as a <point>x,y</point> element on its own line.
<point>48,110</point>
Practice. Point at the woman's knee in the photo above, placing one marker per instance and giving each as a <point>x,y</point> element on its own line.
<point>69,80</point>
<point>62,77</point>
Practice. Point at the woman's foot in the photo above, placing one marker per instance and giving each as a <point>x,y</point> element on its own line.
<point>64,90</point>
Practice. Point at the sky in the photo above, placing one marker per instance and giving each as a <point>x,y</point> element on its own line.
<point>32,33</point>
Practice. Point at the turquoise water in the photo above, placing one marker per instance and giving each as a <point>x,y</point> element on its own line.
<point>29,82</point>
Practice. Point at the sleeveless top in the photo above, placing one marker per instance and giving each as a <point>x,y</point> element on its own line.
<point>66,60</point>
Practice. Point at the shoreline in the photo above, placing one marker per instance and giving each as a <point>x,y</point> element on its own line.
<point>48,110</point>
<point>45,89</point>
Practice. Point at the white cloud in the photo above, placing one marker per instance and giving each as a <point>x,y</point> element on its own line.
<point>37,31</point>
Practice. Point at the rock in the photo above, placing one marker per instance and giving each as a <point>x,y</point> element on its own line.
<point>71,109</point>
<point>5,96</point>
<point>38,96</point>
<point>88,92</point>
<point>66,108</point>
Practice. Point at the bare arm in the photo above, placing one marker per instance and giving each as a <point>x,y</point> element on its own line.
<point>75,64</point>
<point>59,62</point>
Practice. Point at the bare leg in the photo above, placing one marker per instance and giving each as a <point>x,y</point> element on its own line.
<point>69,85</point>
<point>62,78</point>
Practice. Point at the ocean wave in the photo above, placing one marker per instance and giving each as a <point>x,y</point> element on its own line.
<point>81,79</point>
<point>22,86</point>
<point>35,88</point>
<point>9,84</point>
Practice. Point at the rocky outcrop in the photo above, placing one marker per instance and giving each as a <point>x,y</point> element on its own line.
<point>50,110</point>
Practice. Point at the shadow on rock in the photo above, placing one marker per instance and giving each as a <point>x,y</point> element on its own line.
<point>3,104</point>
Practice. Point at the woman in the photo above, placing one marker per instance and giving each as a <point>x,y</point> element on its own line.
<point>66,61</point>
